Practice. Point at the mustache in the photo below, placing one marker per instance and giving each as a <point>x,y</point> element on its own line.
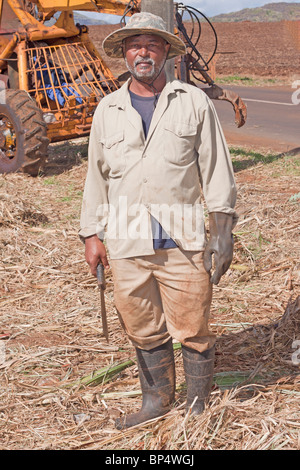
<point>139,60</point>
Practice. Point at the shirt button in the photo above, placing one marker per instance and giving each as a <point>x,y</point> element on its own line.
<point>145,180</point>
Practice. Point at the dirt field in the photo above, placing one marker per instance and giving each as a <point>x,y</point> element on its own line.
<point>268,50</point>
<point>56,387</point>
<point>62,386</point>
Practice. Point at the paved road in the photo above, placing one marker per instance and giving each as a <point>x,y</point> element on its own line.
<point>273,120</point>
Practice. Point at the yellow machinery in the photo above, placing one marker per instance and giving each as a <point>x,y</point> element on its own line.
<point>52,77</point>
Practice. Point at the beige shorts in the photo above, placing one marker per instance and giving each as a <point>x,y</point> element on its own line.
<point>167,294</point>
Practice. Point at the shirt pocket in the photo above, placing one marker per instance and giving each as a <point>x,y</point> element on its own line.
<point>179,142</point>
<point>113,147</point>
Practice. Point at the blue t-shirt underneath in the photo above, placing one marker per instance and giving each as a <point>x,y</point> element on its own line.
<point>145,106</point>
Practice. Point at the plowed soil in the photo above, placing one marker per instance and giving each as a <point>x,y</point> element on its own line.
<point>269,50</point>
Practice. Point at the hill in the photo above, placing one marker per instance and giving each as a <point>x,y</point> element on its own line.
<point>248,49</point>
<point>269,12</point>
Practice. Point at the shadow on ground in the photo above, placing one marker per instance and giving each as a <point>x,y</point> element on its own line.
<point>243,159</point>
<point>264,352</point>
<point>64,156</point>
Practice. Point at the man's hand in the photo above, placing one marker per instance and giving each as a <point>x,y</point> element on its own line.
<point>95,253</point>
<point>220,245</point>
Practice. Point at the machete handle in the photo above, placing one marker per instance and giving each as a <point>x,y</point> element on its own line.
<point>101,276</point>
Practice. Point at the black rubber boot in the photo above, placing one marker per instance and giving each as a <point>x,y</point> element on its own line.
<point>157,378</point>
<point>198,368</point>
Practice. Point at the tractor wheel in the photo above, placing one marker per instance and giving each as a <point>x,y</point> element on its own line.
<point>23,133</point>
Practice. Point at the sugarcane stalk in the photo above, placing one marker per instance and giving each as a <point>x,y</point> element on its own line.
<point>223,380</point>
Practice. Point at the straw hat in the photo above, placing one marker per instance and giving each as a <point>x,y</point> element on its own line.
<point>142,23</point>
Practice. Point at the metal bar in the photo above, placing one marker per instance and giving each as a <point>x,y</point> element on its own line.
<point>114,7</point>
<point>22,66</point>
<point>76,66</point>
<point>42,88</point>
<point>86,86</point>
<point>104,68</point>
<point>59,86</point>
<point>24,17</point>
<point>50,78</point>
<point>164,9</point>
<point>8,50</point>
<point>91,70</point>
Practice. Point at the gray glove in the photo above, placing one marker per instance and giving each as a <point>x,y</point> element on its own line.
<point>220,244</point>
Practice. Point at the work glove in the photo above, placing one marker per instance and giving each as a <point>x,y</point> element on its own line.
<point>220,244</point>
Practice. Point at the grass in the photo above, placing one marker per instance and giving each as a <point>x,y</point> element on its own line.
<point>242,159</point>
<point>51,180</point>
<point>247,81</point>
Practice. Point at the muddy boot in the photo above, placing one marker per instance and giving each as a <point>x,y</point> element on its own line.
<point>157,378</point>
<point>198,368</point>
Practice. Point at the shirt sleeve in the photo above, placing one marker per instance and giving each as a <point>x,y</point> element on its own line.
<point>215,166</point>
<point>95,208</point>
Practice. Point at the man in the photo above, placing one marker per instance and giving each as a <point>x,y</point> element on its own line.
<point>154,143</point>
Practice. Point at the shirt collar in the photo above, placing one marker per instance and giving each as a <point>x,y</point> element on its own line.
<point>120,98</point>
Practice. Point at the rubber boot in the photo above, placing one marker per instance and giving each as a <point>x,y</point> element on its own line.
<point>198,368</point>
<point>157,377</point>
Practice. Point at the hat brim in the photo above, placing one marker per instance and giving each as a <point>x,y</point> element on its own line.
<point>112,44</point>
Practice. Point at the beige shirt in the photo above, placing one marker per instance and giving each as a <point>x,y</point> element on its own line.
<point>130,177</point>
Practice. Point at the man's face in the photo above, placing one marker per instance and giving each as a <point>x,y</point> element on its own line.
<point>145,56</point>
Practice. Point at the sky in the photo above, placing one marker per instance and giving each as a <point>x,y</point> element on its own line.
<point>214,7</point>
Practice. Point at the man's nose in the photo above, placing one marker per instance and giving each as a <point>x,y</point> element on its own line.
<point>143,51</point>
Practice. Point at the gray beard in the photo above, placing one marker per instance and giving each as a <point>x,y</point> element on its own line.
<point>149,76</point>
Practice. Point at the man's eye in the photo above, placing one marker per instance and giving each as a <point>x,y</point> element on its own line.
<point>140,46</point>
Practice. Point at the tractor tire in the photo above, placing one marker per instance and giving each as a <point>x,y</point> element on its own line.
<point>23,133</point>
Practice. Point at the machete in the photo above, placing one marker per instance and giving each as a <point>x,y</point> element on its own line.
<point>102,287</point>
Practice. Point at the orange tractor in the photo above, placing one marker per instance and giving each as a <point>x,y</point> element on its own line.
<point>52,77</point>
